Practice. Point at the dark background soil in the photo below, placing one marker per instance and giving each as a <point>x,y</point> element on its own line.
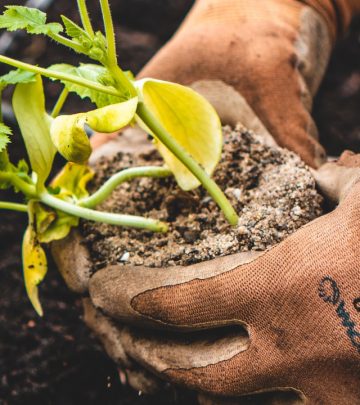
<point>55,359</point>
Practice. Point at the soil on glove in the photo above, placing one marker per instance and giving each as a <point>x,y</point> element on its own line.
<point>271,189</point>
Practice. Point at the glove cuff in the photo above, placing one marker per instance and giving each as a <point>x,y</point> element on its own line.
<point>337,13</point>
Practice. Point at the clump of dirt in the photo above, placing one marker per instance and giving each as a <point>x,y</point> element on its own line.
<point>271,189</point>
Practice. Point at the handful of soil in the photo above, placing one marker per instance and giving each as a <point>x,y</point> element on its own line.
<point>271,189</point>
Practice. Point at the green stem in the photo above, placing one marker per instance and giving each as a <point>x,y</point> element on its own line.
<point>61,76</point>
<point>67,42</point>
<point>13,206</point>
<point>106,217</point>
<point>121,81</point>
<point>84,15</point>
<point>60,102</point>
<point>26,188</point>
<point>26,177</point>
<point>109,31</point>
<point>145,114</point>
<point>106,189</point>
<point>1,116</point>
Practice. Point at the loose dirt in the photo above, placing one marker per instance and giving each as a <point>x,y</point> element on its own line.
<point>271,189</point>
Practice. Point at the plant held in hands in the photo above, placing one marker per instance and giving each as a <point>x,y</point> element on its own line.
<point>185,127</point>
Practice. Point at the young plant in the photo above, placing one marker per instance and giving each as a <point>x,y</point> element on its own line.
<point>186,130</point>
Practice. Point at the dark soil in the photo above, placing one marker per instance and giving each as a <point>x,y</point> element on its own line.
<point>55,359</point>
<point>269,210</point>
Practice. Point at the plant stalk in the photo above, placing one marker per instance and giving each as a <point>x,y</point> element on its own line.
<point>60,102</point>
<point>13,206</point>
<point>61,76</point>
<point>109,31</point>
<point>108,187</point>
<point>67,42</point>
<point>1,116</point>
<point>106,217</point>
<point>121,81</point>
<point>26,188</point>
<point>161,133</point>
<point>84,15</point>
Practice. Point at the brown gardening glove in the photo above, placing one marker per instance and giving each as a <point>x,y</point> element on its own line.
<point>271,53</point>
<point>286,319</point>
<point>274,53</point>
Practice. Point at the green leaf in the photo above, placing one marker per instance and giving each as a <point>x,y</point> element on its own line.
<point>22,166</point>
<point>71,183</point>
<point>190,119</point>
<point>34,265</point>
<point>60,228</point>
<point>19,17</point>
<point>53,191</point>
<point>4,139</point>
<point>5,166</point>
<point>73,179</point>
<point>16,76</point>
<point>90,72</point>
<point>69,136</point>
<point>34,123</point>
<point>73,30</point>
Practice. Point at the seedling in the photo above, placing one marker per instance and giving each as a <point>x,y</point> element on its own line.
<point>185,128</point>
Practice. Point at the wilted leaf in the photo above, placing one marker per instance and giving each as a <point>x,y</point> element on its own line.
<point>4,139</point>
<point>190,119</point>
<point>71,182</point>
<point>34,122</point>
<point>60,228</point>
<point>90,72</point>
<point>43,216</point>
<point>35,266</point>
<point>19,17</point>
<point>51,224</point>
<point>73,179</point>
<point>68,134</point>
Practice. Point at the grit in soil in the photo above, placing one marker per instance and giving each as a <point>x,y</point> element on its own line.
<point>270,188</point>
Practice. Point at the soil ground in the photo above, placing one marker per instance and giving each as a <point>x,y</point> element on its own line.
<point>269,210</point>
<point>54,359</point>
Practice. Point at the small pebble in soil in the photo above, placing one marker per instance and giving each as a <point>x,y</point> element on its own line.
<point>271,189</point>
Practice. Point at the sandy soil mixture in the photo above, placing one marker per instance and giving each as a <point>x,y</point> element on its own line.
<point>271,189</point>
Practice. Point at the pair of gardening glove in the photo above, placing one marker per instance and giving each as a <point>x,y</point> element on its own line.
<point>287,319</point>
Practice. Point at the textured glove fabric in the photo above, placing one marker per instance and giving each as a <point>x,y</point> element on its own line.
<point>299,302</point>
<point>272,52</point>
<point>338,13</point>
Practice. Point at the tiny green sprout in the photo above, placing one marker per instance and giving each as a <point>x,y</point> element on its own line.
<point>185,127</point>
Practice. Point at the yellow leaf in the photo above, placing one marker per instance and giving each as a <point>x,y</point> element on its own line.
<point>52,224</point>
<point>60,228</point>
<point>44,216</point>
<point>34,123</point>
<point>68,134</point>
<point>35,266</point>
<point>73,179</point>
<point>190,119</point>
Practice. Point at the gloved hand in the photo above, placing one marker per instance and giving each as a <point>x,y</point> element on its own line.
<point>287,318</point>
<point>273,54</point>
